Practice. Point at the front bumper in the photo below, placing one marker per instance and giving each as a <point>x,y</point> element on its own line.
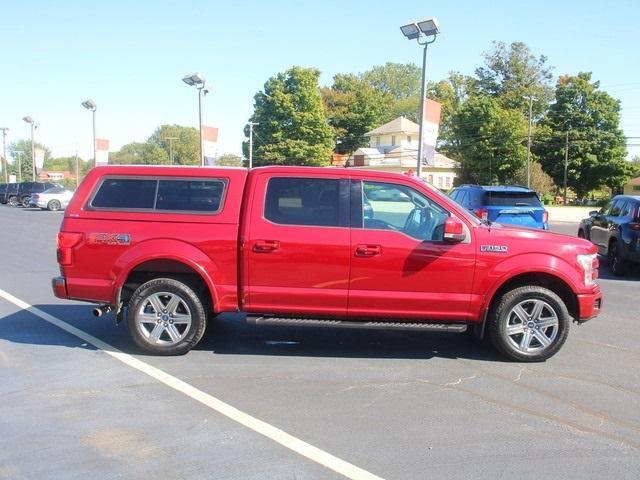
<point>589,305</point>
<point>59,286</point>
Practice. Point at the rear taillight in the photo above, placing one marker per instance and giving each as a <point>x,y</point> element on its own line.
<point>66,242</point>
<point>635,226</point>
<point>545,217</point>
<point>481,213</point>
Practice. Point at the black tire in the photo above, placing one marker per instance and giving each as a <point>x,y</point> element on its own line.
<point>163,334</point>
<point>13,201</point>
<point>25,202</point>
<point>53,205</point>
<point>581,234</point>
<point>617,265</point>
<point>536,339</point>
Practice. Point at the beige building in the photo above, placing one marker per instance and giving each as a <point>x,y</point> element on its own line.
<point>394,147</point>
<point>632,187</point>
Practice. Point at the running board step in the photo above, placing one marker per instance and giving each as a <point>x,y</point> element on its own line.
<point>378,325</point>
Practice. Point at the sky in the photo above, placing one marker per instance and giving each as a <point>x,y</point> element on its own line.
<point>130,56</point>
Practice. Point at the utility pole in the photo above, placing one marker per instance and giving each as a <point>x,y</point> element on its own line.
<point>171,139</point>
<point>529,142</point>
<point>566,165</point>
<point>4,164</point>
<point>251,125</point>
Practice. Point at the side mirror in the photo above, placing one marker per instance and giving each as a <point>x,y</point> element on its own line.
<point>454,231</point>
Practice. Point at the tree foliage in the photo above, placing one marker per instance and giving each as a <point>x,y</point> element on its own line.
<point>230,160</point>
<point>512,73</point>
<point>22,149</point>
<point>292,128</point>
<point>489,141</point>
<point>597,146</point>
<point>353,108</point>
<point>181,142</point>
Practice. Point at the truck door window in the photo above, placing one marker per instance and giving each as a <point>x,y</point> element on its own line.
<point>400,208</point>
<point>304,201</point>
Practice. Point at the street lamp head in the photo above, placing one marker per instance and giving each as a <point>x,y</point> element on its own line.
<point>411,31</point>
<point>194,79</point>
<point>90,105</point>
<point>429,27</point>
<point>27,119</point>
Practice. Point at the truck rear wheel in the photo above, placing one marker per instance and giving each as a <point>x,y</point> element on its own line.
<point>529,324</point>
<point>166,317</point>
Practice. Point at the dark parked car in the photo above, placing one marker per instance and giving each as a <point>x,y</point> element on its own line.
<point>7,191</point>
<point>509,205</point>
<point>25,190</point>
<point>615,230</point>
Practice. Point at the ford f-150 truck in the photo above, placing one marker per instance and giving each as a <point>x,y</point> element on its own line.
<point>168,248</point>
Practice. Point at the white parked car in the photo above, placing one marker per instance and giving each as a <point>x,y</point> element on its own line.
<point>55,198</point>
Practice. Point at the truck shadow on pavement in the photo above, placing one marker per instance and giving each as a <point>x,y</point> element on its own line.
<point>228,334</point>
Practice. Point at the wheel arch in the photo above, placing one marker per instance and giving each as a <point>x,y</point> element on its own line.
<point>543,279</point>
<point>169,258</point>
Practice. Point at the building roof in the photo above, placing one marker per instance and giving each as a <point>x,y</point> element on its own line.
<point>398,125</point>
<point>634,181</point>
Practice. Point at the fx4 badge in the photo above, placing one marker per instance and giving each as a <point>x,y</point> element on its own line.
<point>494,248</point>
<point>109,239</point>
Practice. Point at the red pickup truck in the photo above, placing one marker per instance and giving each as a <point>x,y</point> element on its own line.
<point>169,247</point>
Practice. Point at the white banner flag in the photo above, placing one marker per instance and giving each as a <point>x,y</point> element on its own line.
<point>430,125</point>
<point>39,154</point>
<point>209,145</point>
<point>102,151</point>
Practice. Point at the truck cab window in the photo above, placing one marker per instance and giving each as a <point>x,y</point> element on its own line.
<point>303,201</point>
<point>389,206</point>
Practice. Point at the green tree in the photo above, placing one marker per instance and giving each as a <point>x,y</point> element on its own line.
<point>400,80</point>
<point>22,149</point>
<point>131,153</point>
<point>489,138</point>
<point>182,142</point>
<point>512,73</point>
<point>292,128</point>
<point>597,147</point>
<point>353,108</point>
<point>230,160</point>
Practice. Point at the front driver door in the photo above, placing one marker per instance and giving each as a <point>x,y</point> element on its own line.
<point>401,266</point>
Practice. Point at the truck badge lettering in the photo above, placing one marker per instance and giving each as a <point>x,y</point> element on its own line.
<point>494,248</point>
<point>109,239</point>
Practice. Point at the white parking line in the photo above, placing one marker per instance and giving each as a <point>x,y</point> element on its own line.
<point>273,433</point>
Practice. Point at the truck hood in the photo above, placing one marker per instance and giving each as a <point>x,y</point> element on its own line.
<point>530,240</point>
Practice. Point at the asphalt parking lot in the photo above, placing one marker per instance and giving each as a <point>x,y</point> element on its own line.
<point>386,404</point>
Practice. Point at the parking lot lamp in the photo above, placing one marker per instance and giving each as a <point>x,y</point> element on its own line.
<point>197,80</point>
<point>91,105</point>
<point>30,121</point>
<point>424,33</point>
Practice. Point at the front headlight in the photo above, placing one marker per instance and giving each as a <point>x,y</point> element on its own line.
<point>589,264</point>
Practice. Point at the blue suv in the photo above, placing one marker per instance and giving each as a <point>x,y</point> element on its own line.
<point>510,205</point>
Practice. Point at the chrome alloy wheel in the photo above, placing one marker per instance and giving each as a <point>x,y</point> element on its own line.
<point>532,326</point>
<point>163,318</point>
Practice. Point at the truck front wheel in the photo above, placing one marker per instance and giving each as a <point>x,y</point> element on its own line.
<point>166,317</point>
<point>529,324</point>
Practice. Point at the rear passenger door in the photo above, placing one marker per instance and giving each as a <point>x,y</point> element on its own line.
<point>296,246</point>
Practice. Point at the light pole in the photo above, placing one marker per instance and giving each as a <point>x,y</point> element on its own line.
<point>251,125</point>
<point>424,33</point>
<point>197,80</point>
<point>4,154</point>
<point>30,121</point>
<point>18,153</point>
<point>91,105</point>
<point>171,139</point>
<point>531,99</point>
